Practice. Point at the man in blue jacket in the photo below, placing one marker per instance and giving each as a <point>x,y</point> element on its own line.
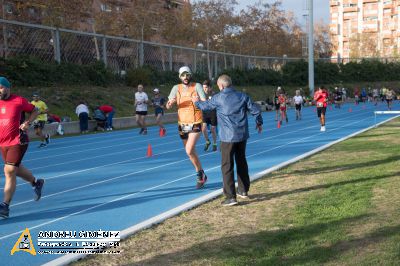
<point>232,107</point>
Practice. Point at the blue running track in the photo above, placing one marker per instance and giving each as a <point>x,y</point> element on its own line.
<point>105,181</point>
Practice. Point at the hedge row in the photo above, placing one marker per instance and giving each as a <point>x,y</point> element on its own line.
<point>29,71</point>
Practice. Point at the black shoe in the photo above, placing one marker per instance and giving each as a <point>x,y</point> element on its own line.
<point>208,143</point>
<point>37,188</point>
<point>214,148</point>
<point>4,210</point>
<point>201,180</point>
<point>141,131</point>
<point>42,145</point>
<point>47,138</point>
<point>229,202</point>
<point>243,195</point>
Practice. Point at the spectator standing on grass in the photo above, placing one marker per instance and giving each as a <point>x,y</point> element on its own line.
<point>141,100</point>
<point>14,143</point>
<point>232,107</point>
<point>82,111</point>
<point>41,120</point>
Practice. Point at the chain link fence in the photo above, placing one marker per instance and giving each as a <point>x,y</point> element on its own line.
<point>120,54</point>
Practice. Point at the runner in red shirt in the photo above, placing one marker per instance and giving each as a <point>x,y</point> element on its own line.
<point>14,143</point>
<point>321,101</point>
<point>282,99</point>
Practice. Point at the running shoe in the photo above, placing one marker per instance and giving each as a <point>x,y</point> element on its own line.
<point>47,138</point>
<point>144,132</point>
<point>323,129</point>
<point>4,210</point>
<point>42,145</point>
<point>214,148</point>
<point>141,131</point>
<point>208,143</point>
<point>201,180</point>
<point>242,194</point>
<point>229,202</point>
<point>37,188</point>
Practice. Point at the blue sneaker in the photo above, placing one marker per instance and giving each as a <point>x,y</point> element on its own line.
<point>37,188</point>
<point>4,210</point>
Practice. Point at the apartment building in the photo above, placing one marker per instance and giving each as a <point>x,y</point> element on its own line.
<point>33,11</point>
<point>365,28</point>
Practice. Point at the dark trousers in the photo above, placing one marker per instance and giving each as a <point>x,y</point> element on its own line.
<point>83,121</point>
<point>231,151</point>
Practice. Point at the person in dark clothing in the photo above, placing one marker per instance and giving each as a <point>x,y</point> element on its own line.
<point>232,107</point>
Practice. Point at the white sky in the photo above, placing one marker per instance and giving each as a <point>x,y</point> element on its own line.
<point>321,8</point>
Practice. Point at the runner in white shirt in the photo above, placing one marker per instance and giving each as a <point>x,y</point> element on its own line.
<point>141,101</point>
<point>298,102</point>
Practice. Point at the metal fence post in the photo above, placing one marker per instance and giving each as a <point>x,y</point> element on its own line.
<point>57,46</point>
<point>215,65</point>
<point>104,42</point>
<point>171,66</point>
<point>195,61</point>
<point>233,61</point>
<point>141,54</point>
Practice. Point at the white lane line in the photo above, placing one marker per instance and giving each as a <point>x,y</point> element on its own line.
<point>170,182</point>
<point>179,149</point>
<point>122,144</point>
<point>67,259</point>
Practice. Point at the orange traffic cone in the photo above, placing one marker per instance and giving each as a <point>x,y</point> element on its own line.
<point>279,124</point>
<point>162,132</point>
<point>149,151</point>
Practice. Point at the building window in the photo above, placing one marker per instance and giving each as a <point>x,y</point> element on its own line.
<point>105,8</point>
<point>8,8</point>
<point>31,11</point>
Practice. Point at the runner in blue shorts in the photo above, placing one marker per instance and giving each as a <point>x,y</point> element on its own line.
<point>159,104</point>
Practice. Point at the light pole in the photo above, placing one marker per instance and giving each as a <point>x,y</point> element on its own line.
<point>311,47</point>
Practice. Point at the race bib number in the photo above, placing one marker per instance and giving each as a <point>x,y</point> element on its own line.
<point>319,104</point>
<point>186,128</point>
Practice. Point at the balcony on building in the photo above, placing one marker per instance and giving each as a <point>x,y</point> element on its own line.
<point>370,1</point>
<point>387,4</point>
<point>350,8</point>
<point>334,3</point>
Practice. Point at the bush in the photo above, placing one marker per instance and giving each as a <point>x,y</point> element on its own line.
<point>30,71</point>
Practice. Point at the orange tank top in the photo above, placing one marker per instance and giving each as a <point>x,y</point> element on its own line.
<point>188,113</point>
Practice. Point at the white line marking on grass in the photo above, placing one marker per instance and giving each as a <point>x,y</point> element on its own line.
<point>66,259</point>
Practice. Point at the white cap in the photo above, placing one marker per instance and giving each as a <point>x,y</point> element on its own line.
<point>184,69</point>
<point>156,90</point>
